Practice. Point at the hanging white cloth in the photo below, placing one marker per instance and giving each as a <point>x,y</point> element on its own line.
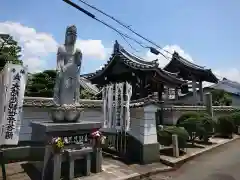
<point>127,107</point>
<point>104,98</point>
<point>110,104</point>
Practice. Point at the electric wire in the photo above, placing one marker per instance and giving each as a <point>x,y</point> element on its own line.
<point>124,25</point>
<point>111,27</point>
<point>108,25</point>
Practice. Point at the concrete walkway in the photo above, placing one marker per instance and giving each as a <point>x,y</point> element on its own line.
<point>220,164</point>
<point>112,170</point>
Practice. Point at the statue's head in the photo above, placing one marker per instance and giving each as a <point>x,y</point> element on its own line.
<point>71,35</point>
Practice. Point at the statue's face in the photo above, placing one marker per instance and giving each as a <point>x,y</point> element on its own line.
<point>70,38</point>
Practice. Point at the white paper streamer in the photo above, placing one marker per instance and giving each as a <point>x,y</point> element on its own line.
<point>110,104</point>
<point>104,98</point>
<point>116,109</point>
<point>127,108</point>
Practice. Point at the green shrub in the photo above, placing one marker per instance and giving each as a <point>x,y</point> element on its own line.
<point>225,125</point>
<point>165,136</point>
<point>200,126</point>
<point>187,115</point>
<point>235,117</point>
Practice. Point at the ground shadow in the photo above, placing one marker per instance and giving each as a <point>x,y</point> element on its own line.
<point>190,145</point>
<point>169,152</point>
<point>31,171</point>
<point>116,156</point>
<point>209,143</point>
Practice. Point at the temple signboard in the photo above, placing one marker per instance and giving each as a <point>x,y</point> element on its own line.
<point>77,139</point>
<point>15,77</point>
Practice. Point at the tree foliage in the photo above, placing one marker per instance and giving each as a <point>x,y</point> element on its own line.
<point>225,125</point>
<point>165,135</point>
<point>42,85</point>
<point>198,125</point>
<point>9,51</point>
<point>221,98</point>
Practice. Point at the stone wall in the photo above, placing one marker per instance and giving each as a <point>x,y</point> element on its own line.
<point>172,113</point>
<point>37,109</point>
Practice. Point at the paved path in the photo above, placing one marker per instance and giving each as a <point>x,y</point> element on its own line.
<point>222,163</point>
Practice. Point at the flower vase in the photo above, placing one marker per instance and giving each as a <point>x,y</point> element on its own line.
<point>56,150</point>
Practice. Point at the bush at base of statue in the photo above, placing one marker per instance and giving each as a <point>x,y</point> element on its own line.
<point>165,136</point>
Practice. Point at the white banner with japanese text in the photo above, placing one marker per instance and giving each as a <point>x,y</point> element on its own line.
<point>14,82</point>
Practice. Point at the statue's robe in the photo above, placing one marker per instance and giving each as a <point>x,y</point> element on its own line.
<point>67,86</point>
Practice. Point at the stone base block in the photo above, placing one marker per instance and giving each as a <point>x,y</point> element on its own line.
<point>142,153</point>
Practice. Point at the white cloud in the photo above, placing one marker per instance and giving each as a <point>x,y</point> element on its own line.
<point>36,46</point>
<point>169,48</point>
<point>229,73</point>
<point>92,48</point>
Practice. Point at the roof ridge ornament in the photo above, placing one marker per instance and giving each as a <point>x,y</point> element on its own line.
<point>117,47</point>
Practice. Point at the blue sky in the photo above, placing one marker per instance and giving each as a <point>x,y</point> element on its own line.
<point>208,31</point>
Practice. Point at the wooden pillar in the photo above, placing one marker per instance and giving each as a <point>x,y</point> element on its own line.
<point>201,91</point>
<point>142,88</point>
<point>194,89</point>
<point>160,90</point>
<point>134,87</point>
<point>176,93</point>
<point>166,92</point>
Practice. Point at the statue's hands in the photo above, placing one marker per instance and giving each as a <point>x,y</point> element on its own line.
<point>63,68</point>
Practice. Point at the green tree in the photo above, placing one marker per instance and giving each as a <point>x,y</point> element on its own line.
<point>221,98</point>
<point>9,50</point>
<point>41,84</point>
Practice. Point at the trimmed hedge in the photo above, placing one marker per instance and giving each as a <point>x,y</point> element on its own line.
<point>165,136</point>
<point>235,117</point>
<point>199,125</point>
<point>186,116</point>
<point>225,125</point>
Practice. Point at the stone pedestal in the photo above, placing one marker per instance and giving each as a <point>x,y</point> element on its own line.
<point>208,102</point>
<point>45,131</point>
<point>142,145</point>
<point>175,145</point>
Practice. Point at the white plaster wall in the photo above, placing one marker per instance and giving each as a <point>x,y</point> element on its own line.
<point>143,124</point>
<point>41,114</point>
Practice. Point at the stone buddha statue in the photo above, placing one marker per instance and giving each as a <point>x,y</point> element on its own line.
<point>69,60</point>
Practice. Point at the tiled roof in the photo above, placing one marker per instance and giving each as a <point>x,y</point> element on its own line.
<point>136,63</point>
<point>86,84</point>
<point>228,86</point>
<point>176,59</point>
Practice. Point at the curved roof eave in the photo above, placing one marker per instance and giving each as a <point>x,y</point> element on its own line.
<point>170,77</point>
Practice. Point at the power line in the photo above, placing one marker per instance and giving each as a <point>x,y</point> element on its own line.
<point>124,25</point>
<point>111,27</point>
<point>153,50</point>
